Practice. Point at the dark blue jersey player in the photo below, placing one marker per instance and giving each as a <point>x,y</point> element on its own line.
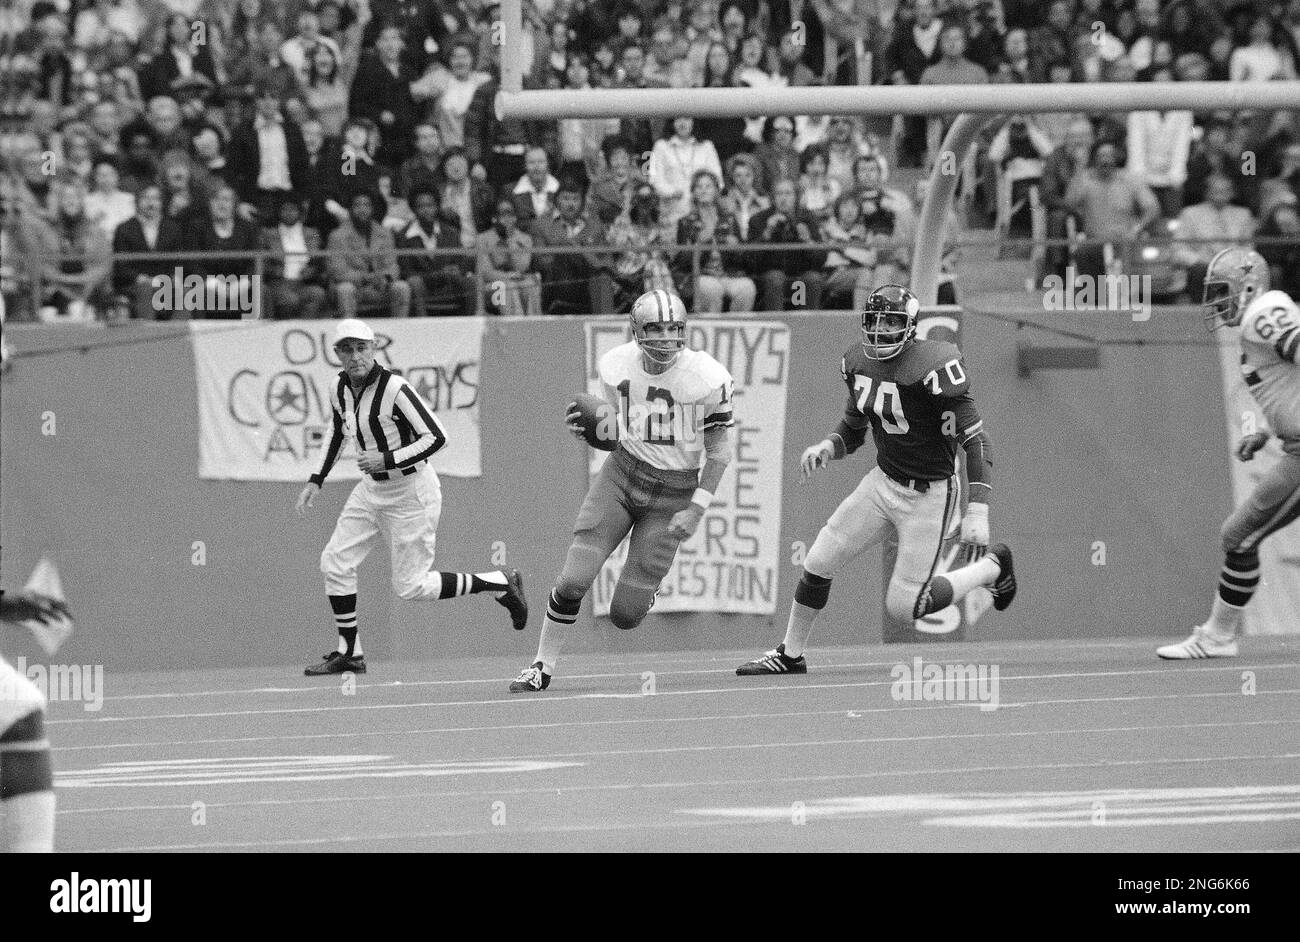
<point>914,396</point>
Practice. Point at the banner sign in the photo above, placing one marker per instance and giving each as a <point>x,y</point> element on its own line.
<point>264,391</point>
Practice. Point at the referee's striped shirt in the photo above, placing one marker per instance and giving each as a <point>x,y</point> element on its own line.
<point>388,416</point>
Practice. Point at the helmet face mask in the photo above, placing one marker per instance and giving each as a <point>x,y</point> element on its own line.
<point>889,322</point>
<point>1234,278</point>
<point>659,326</point>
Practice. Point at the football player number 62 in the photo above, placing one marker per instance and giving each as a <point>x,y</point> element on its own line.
<point>888,405</point>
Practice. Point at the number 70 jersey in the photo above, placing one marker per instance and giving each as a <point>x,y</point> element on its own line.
<point>918,405</point>
<point>662,417</point>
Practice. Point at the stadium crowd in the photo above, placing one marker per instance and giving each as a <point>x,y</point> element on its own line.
<point>353,146</point>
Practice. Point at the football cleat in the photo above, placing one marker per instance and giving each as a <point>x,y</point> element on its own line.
<point>774,662</point>
<point>1004,589</point>
<point>1201,644</point>
<point>513,599</point>
<point>336,663</point>
<point>531,679</point>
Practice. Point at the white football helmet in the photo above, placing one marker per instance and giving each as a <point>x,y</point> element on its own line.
<point>664,308</point>
<point>1233,279</point>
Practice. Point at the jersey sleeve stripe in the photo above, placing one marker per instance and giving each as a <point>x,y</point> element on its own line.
<point>1287,343</point>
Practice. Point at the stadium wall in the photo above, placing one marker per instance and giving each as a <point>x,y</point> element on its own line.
<point>1129,461</point>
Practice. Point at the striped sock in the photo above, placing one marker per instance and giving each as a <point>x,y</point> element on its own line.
<point>345,619</point>
<point>810,597</point>
<point>942,591</point>
<point>467,583</point>
<point>561,614</point>
<point>1237,583</point>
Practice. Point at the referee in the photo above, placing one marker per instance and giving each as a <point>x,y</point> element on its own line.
<point>399,495</point>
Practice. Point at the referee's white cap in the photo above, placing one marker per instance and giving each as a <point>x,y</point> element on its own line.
<point>350,328</point>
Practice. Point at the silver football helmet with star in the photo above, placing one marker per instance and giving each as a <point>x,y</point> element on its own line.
<point>659,325</point>
<point>1233,279</point>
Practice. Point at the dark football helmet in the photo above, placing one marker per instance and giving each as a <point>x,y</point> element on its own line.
<point>889,322</point>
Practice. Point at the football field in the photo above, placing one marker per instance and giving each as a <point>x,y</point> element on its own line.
<point>1093,746</point>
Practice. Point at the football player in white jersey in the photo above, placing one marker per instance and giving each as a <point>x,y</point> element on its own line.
<point>1237,295</point>
<point>674,415</point>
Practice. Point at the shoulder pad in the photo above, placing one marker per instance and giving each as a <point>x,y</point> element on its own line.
<point>926,356</point>
<point>616,365</point>
<point>1269,316</point>
<point>702,373</point>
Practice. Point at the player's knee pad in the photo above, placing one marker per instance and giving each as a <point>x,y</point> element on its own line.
<point>934,595</point>
<point>902,599</point>
<point>25,757</point>
<point>812,591</point>
<point>827,552</point>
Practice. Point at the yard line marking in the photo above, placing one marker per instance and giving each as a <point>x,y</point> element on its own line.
<point>72,775</point>
<point>302,737</point>
<point>737,688</point>
<point>635,674</point>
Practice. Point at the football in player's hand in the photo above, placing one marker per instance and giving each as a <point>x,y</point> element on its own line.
<point>595,420</point>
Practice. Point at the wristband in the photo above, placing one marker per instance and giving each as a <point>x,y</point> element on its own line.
<point>701,498</point>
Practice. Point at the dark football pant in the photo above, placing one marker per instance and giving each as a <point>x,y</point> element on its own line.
<point>627,495</point>
<point>1274,503</point>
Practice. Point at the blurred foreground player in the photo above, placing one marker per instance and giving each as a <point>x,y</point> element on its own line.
<point>398,495</point>
<point>1268,323</point>
<point>674,408</point>
<point>915,397</point>
<point>26,777</point>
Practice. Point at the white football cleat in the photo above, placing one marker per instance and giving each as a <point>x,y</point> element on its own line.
<point>1201,644</point>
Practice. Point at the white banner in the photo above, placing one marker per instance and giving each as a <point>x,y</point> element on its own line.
<point>731,563</point>
<point>264,393</point>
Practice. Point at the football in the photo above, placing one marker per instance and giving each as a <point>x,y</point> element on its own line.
<point>598,420</point>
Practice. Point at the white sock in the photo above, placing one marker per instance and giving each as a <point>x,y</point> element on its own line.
<point>29,824</point>
<point>982,572</point>
<point>356,646</point>
<point>496,578</point>
<point>549,645</point>
<point>799,628</point>
<point>1225,619</point>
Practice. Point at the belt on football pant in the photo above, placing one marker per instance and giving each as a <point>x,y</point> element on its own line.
<point>1252,378</point>
<point>912,484</point>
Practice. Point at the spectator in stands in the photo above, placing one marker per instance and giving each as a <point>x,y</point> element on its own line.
<point>953,68</point>
<point>1261,60</point>
<point>327,71</point>
<point>726,134</point>
<point>549,68</point>
<point>1282,183</point>
<point>465,198</point>
<point>146,231</point>
<point>1113,206</point>
<point>1018,151</point>
<point>721,275</point>
<point>702,31</point>
<point>1209,227</point>
<point>107,204</point>
<point>610,192</point>
<point>222,230</point>
<point>802,37</point>
<point>777,156</point>
<point>849,27</point>
<point>1016,66</point>
<point>505,256</point>
<point>534,192</point>
<point>356,172</point>
<point>580,138</point>
<point>78,158</point>
<point>362,264</point>
<point>442,279</point>
<point>1216,152</point>
<point>913,50</point>
<point>98,21</point>
<point>1059,171</point>
<point>422,22</point>
<point>673,164</point>
<point>843,146</point>
<point>299,49</point>
<point>185,199</point>
<point>397,211</point>
<point>268,159</point>
<point>642,265</point>
<point>787,223</point>
<point>664,66</point>
<point>162,118</point>
<point>1159,143</point>
<point>742,198</point>
<point>453,103</point>
<point>208,147</point>
<point>851,263</point>
<point>183,55</point>
<point>73,254</point>
<point>421,171</point>
<point>1282,222</point>
<point>324,158</point>
<point>887,215</point>
<point>818,191</point>
<point>641,132</point>
<point>496,148</point>
<point>260,65</point>
<point>572,283</point>
<point>106,125</point>
<point>294,271</point>
<point>381,92</point>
